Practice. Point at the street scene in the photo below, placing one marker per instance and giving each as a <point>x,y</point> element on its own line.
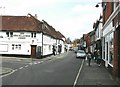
<point>64,69</point>
<point>60,42</point>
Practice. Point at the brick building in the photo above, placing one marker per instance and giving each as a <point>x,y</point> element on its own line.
<point>111,37</point>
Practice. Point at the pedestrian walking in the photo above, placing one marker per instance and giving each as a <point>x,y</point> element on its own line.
<point>89,57</point>
<point>98,58</point>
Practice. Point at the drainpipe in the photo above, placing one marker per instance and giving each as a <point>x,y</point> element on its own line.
<point>42,46</point>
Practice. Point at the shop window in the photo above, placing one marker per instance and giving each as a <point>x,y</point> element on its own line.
<point>103,49</point>
<point>111,49</point>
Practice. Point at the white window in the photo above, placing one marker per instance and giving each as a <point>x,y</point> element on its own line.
<point>12,46</point>
<point>7,33</point>
<point>11,34</point>
<point>103,48</point>
<point>33,35</point>
<point>111,49</point>
<point>16,46</point>
<point>19,47</point>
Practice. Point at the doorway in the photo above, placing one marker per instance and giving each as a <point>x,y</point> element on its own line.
<point>33,51</point>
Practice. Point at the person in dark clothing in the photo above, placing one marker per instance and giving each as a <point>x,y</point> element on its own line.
<point>54,50</point>
<point>59,49</point>
<point>98,58</point>
<point>89,57</point>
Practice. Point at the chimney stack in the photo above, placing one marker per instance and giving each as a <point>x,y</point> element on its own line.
<point>36,16</point>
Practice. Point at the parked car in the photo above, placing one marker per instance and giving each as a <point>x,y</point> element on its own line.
<point>81,54</point>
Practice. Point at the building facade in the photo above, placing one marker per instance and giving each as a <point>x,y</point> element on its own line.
<point>110,37</point>
<point>25,36</point>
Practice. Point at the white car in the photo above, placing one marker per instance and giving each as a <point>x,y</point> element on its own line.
<point>81,54</point>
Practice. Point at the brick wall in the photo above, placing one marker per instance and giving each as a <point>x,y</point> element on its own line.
<point>115,65</point>
<point>116,19</point>
<point>107,11</point>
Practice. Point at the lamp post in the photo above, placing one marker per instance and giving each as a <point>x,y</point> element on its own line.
<point>97,5</point>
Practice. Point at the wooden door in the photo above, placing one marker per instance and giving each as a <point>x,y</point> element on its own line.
<point>33,51</point>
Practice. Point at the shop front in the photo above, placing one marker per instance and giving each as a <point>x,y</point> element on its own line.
<point>108,47</point>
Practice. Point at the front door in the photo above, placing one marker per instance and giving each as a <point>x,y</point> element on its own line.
<point>33,51</point>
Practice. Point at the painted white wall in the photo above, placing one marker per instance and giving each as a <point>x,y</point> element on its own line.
<point>20,43</point>
<point>98,32</point>
<point>48,42</point>
<point>63,46</point>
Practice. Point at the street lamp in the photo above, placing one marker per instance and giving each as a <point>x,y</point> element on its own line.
<point>98,4</point>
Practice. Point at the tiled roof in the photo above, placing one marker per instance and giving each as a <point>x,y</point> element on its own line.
<point>19,23</point>
<point>51,30</point>
<point>28,23</point>
<point>60,35</point>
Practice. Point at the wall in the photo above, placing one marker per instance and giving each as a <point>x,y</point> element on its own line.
<point>20,43</point>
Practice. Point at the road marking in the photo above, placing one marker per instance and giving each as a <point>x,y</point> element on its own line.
<point>16,70</point>
<point>20,67</point>
<point>39,62</point>
<point>75,82</point>
<point>35,63</point>
<point>26,66</point>
<point>7,74</point>
<point>30,63</point>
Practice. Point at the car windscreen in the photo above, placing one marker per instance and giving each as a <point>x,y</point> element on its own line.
<point>81,51</point>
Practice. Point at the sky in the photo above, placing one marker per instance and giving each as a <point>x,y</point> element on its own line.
<point>72,18</point>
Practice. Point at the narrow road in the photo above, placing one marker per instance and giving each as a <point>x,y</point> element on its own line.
<point>58,71</point>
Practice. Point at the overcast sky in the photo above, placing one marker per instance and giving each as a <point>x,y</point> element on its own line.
<point>72,18</point>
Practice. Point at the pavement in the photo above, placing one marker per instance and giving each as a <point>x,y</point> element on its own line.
<point>96,75</point>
